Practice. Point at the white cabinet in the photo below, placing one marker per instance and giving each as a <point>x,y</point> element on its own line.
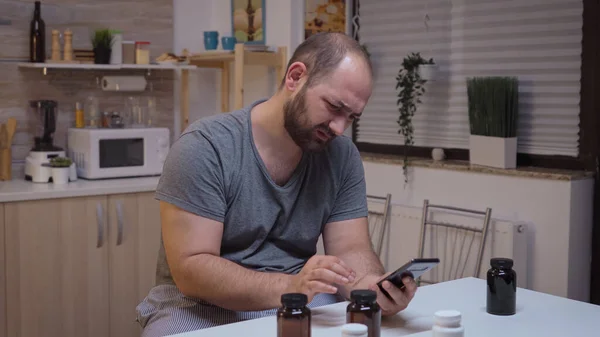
<point>78,266</point>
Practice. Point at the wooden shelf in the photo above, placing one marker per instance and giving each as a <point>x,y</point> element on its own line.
<point>240,57</point>
<point>91,66</point>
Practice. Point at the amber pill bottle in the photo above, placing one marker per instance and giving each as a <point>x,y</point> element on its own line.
<point>293,317</point>
<point>363,309</point>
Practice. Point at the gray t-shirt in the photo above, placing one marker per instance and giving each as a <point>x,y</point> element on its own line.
<point>214,170</point>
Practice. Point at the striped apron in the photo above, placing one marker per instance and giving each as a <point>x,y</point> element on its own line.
<point>166,311</point>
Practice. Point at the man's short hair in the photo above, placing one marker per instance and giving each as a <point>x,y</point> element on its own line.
<point>323,52</point>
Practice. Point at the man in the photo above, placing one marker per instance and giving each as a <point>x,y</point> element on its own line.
<point>246,195</point>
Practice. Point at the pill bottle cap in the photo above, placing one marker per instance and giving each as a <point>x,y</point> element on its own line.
<point>501,263</point>
<point>447,318</point>
<point>294,300</point>
<point>354,330</point>
<point>363,296</point>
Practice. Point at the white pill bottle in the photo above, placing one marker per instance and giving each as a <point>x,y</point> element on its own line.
<point>447,323</point>
<point>355,330</point>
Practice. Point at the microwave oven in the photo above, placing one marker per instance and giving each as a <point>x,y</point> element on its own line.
<point>118,153</point>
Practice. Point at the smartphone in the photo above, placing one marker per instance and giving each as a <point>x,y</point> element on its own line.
<point>413,268</point>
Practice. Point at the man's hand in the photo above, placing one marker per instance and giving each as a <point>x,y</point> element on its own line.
<point>400,297</point>
<point>321,274</point>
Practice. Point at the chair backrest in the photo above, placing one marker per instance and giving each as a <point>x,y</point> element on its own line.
<point>378,219</point>
<point>458,245</point>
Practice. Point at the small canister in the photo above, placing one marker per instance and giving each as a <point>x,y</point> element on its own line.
<point>142,52</point>
<point>501,287</point>
<point>128,52</point>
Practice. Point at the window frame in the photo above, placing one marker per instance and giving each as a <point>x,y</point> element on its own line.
<point>588,138</point>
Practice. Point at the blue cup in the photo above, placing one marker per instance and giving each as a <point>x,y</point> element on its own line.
<point>211,43</point>
<point>228,42</point>
<point>211,40</point>
<point>211,33</point>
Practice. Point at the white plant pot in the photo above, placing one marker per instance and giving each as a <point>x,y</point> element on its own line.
<point>493,151</point>
<point>60,175</point>
<point>428,71</point>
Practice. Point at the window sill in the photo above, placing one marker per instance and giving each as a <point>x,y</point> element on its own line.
<point>465,166</point>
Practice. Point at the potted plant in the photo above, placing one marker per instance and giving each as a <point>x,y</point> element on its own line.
<point>493,113</point>
<point>412,87</point>
<point>102,43</point>
<point>60,169</point>
<point>427,70</point>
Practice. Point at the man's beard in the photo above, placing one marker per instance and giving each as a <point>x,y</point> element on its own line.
<point>299,127</point>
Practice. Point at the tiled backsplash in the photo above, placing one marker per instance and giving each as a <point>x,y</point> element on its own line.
<point>148,20</point>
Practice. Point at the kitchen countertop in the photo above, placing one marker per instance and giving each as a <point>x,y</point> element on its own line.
<point>20,190</point>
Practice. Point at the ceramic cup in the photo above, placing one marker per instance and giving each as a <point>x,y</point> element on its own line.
<point>228,42</point>
<point>211,40</point>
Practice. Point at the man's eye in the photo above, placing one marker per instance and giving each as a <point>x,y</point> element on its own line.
<point>334,107</point>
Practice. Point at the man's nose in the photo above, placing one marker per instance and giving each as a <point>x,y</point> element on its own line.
<point>338,125</point>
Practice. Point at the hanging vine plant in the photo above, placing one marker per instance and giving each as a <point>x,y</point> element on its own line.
<point>412,87</point>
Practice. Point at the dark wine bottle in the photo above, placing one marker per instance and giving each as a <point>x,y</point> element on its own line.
<point>37,36</point>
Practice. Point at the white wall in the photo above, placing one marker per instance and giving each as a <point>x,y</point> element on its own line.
<point>558,212</point>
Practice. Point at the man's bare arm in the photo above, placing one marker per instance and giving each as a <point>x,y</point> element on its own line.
<point>192,246</point>
<point>349,240</point>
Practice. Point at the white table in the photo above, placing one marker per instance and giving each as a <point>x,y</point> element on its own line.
<point>537,314</point>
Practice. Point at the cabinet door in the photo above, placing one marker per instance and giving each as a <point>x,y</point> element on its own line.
<point>134,238</point>
<point>2,277</point>
<point>57,267</point>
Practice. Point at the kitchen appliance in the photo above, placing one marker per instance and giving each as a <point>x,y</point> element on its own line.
<point>36,163</point>
<point>117,153</point>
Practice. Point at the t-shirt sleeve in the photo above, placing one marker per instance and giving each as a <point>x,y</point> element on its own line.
<point>192,177</point>
<point>351,199</point>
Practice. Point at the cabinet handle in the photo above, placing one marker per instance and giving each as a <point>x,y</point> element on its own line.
<point>100,218</point>
<point>119,224</point>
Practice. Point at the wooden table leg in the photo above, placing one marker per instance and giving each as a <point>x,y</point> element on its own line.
<point>239,76</point>
<point>280,69</point>
<point>225,87</point>
<point>185,99</point>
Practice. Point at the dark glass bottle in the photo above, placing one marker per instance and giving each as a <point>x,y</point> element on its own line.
<point>293,317</point>
<point>37,36</point>
<point>501,287</point>
<point>363,309</point>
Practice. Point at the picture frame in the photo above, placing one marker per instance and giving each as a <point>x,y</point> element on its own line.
<point>248,21</point>
<point>337,12</point>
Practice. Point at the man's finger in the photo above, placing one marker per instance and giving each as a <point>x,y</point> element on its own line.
<point>398,296</point>
<point>346,272</point>
<point>384,302</point>
<point>316,287</point>
<point>328,276</point>
<point>410,287</point>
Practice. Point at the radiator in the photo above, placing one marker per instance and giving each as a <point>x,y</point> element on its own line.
<point>401,241</point>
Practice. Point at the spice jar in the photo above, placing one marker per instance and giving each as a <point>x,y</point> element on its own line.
<point>363,309</point>
<point>501,287</point>
<point>293,317</point>
<point>142,52</point>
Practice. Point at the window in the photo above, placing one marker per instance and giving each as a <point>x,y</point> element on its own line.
<point>540,41</point>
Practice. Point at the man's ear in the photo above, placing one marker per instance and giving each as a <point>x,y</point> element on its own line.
<point>295,75</point>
